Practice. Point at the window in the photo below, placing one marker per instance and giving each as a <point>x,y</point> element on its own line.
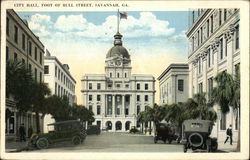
<point>207,28</point>
<point>41,76</point>
<point>199,63</point>
<point>41,58</point>
<point>209,58</point>
<point>16,34</point>
<point>90,107</point>
<point>30,48</point>
<point>212,27</point>
<point>46,69</point>
<point>138,97</point>
<point>220,15</point>
<point>138,86</point>
<point>223,122</point>
<point>110,75</point>
<point>98,85</point>
<point>200,87</point>
<point>180,84</point>
<point>118,75</point>
<point>55,71</point>
<point>198,38</point>
<point>30,67</point>
<point>59,73</point>
<point>138,109</point>
<point>225,47</point>
<point>55,88</point>
<point>7,26</point>
<point>23,61</point>
<point>221,48</point>
<point>90,97</point>
<point>125,75</point>
<point>15,56</point>
<point>126,85</point>
<point>98,110</point>
<point>98,97</point>
<point>61,76</point>
<point>109,85</point>
<point>146,86</point>
<point>35,74</point>
<point>225,14</point>
<point>90,85</point>
<point>237,37</point>
<point>192,43</point>
<point>201,34</point>
<point>35,53</point>
<point>210,86</point>
<point>23,41</point>
<point>59,90</point>
<point>146,98</point>
<point>7,53</point>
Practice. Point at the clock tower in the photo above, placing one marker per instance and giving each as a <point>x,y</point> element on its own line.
<point>118,63</point>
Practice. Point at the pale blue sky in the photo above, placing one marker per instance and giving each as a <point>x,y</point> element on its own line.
<point>154,39</point>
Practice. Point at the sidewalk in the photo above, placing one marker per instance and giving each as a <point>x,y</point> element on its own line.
<point>15,145</point>
<point>227,147</point>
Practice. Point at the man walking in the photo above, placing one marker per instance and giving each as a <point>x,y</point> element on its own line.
<point>229,134</point>
<point>22,133</point>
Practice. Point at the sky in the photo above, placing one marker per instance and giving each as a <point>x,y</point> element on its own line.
<point>154,40</point>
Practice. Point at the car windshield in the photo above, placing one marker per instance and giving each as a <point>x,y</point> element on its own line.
<point>51,128</point>
<point>196,125</point>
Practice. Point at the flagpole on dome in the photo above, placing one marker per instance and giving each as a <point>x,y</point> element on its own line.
<point>118,21</point>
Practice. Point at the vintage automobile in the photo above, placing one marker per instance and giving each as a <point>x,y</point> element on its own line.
<point>93,129</point>
<point>164,133</point>
<point>71,130</point>
<point>196,135</point>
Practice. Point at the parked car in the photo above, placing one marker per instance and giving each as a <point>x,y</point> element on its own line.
<point>133,130</point>
<point>196,135</point>
<point>164,133</point>
<point>71,130</point>
<point>93,129</point>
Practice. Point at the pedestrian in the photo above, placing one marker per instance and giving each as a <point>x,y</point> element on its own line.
<point>229,134</point>
<point>22,133</point>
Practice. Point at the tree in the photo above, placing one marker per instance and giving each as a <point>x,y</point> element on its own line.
<point>41,90</point>
<point>19,85</point>
<point>227,93</point>
<point>82,113</point>
<point>149,117</point>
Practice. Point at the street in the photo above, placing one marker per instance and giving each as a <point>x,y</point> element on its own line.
<point>116,142</point>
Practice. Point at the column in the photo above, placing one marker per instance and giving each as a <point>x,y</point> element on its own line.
<point>130,112</point>
<point>190,79</point>
<point>106,105</point>
<point>113,105</point>
<point>123,105</point>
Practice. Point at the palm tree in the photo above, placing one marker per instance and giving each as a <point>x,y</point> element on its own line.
<point>19,84</point>
<point>141,119</point>
<point>41,90</point>
<point>149,117</point>
<point>227,93</point>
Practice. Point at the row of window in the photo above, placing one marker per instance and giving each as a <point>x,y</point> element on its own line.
<point>118,85</point>
<point>109,110</point>
<point>166,89</point>
<point>24,40</point>
<point>138,97</point>
<point>61,77</point>
<point>118,75</point>
<point>60,91</point>
<point>210,30</point>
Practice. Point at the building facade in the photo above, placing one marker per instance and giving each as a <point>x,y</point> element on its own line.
<point>59,80</point>
<point>22,45</point>
<point>214,47</point>
<point>117,96</point>
<point>173,84</point>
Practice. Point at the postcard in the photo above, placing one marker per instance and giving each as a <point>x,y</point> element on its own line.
<point>124,79</point>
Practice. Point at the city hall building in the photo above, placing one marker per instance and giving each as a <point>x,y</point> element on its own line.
<point>214,47</point>
<point>117,96</point>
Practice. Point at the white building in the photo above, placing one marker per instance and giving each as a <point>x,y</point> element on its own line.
<point>174,84</point>
<point>117,96</point>
<point>59,80</point>
<point>214,47</point>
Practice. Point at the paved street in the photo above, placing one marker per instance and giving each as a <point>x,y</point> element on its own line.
<point>117,142</point>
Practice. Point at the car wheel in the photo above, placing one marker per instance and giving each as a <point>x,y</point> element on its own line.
<point>42,143</point>
<point>76,140</point>
<point>170,140</point>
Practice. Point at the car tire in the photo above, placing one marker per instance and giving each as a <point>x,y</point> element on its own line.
<point>184,148</point>
<point>42,143</point>
<point>208,148</point>
<point>76,140</point>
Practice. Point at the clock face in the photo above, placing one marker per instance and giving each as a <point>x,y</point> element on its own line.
<point>118,63</point>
